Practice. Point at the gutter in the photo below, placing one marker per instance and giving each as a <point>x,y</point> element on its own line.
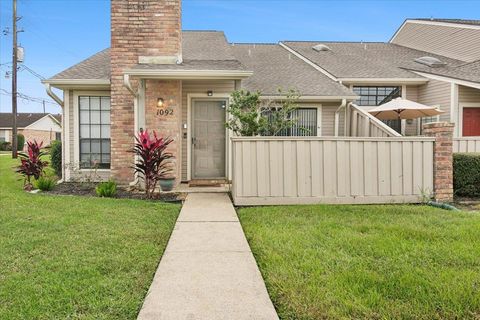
<point>188,74</point>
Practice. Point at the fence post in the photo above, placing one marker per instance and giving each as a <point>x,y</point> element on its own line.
<point>442,159</point>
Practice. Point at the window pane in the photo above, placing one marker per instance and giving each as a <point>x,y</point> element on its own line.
<point>85,160</point>
<point>84,103</point>
<point>105,131</point>
<point>84,131</point>
<point>105,117</point>
<point>95,145</point>
<point>105,157</point>
<point>105,103</point>
<point>85,146</point>
<point>95,131</point>
<point>94,103</point>
<point>95,117</point>
<point>95,158</point>
<point>105,145</point>
<point>84,117</point>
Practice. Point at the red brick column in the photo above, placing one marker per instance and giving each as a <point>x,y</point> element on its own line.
<point>139,29</point>
<point>442,159</point>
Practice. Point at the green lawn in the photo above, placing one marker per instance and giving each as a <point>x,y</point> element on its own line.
<point>367,262</point>
<point>66,257</point>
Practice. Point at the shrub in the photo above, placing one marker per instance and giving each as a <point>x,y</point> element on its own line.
<point>31,163</point>
<point>153,160</point>
<point>45,183</point>
<point>106,189</point>
<point>466,174</point>
<point>5,146</point>
<point>251,116</point>
<point>56,157</point>
<point>20,142</point>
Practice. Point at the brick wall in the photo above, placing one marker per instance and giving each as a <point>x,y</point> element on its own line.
<point>442,159</point>
<point>39,135</point>
<point>138,28</point>
<point>167,124</point>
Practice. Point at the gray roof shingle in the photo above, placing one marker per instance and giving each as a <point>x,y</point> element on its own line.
<point>201,50</point>
<point>23,119</point>
<point>274,67</point>
<point>365,60</point>
<point>467,71</point>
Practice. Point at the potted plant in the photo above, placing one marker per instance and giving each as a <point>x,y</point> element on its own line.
<point>167,182</point>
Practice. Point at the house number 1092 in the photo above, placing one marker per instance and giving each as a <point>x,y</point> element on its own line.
<point>165,112</point>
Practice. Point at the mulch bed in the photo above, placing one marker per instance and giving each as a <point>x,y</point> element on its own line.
<point>88,190</point>
<point>466,203</point>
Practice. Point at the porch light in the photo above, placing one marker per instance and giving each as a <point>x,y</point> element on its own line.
<point>209,93</point>
<point>160,102</point>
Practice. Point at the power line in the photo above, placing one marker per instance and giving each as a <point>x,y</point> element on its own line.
<point>27,97</point>
<point>36,74</point>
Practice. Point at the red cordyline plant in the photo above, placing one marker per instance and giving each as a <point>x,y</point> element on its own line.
<point>31,163</point>
<point>153,161</point>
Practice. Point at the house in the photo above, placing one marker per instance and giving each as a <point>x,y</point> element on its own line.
<point>157,77</point>
<point>42,127</point>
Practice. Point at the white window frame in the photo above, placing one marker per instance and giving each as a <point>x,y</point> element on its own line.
<point>76,128</point>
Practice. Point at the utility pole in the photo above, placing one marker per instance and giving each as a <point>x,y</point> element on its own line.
<point>43,102</point>
<point>14,83</point>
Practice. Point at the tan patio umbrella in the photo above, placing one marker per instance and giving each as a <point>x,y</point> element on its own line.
<point>403,109</point>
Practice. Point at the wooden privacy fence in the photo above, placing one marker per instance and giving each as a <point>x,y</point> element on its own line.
<point>466,144</point>
<point>304,170</point>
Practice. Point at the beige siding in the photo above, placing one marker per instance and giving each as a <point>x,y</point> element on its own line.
<point>199,87</point>
<point>469,95</point>
<point>270,171</point>
<point>450,41</point>
<point>436,93</point>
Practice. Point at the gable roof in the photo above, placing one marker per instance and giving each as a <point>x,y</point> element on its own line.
<point>202,50</point>
<point>468,71</point>
<point>274,67</point>
<point>25,119</point>
<point>365,59</point>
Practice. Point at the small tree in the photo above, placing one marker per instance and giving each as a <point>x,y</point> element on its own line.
<point>20,142</point>
<point>31,163</point>
<point>56,157</point>
<point>251,116</point>
<point>153,160</point>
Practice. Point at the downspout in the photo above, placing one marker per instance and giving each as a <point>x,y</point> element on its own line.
<point>52,95</point>
<point>128,85</point>
<point>57,99</point>
<point>337,117</point>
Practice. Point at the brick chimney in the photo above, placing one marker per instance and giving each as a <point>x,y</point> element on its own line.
<point>142,31</point>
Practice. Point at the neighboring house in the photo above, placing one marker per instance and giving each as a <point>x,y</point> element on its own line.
<point>43,127</point>
<point>157,77</point>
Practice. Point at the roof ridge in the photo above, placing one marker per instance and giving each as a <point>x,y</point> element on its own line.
<point>254,43</point>
<point>329,41</point>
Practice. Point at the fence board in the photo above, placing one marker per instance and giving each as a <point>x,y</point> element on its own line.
<point>466,144</point>
<point>289,170</point>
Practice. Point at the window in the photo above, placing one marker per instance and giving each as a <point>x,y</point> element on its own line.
<point>58,136</point>
<point>375,96</point>
<point>306,123</point>
<point>3,136</point>
<point>94,120</point>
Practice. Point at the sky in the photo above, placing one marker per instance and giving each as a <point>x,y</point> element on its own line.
<point>59,33</point>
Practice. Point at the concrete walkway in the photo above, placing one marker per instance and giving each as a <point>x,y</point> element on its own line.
<point>207,270</point>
